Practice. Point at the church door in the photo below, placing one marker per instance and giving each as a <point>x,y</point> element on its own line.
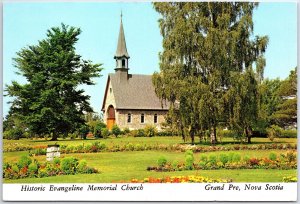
<point>111,119</point>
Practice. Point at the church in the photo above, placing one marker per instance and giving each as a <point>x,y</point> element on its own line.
<point>129,99</point>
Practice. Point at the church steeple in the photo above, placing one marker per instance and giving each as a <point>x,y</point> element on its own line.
<point>121,55</point>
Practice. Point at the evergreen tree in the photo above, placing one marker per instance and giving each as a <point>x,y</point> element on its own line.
<point>51,101</point>
<point>204,42</point>
<point>286,110</point>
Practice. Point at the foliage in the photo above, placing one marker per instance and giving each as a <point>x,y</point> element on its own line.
<point>289,179</point>
<point>204,44</point>
<point>162,161</point>
<point>13,134</point>
<point>24,161</point>
<point>286,110</point>
<point>116,130</point>
<point>272,156</point>
<point>83,131</point>
<point>150,131</point>
<point>180,179</point>
<point>224,158</point>
<point>274,132</point>
<point>51,102</point>
<point>104,133</point>
<point>68,165</point>
<point>287,161</point>
<point>289,133</point>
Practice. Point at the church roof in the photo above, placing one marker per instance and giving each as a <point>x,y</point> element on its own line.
<point>121,48</point>
<point>135,93</point>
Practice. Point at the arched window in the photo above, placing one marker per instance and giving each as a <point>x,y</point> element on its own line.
<point>155,118</point>
<point>142,118</point>
<point>123,63</point>
<point>129,118</point>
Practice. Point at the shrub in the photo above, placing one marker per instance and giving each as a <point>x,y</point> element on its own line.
<point>98,129</point>
<point>189,152</point>
<point>292,133</point>
<point>33,168</point>
<point>104,132</point>
<point>189,162</point>
<point>175,164</point>
<point>273,156</point>
<point>13,134</point>
<point>126,131</point>
<point>223,158</point>
<point>203,158</point>
<point>69,164</point>
<point>140,133</point>
<point>83,131</point>
<point>15,168</point>
<point>254,162</point>
<point>246,158</point>
<point>82,166</point>
<point>150,131</point>
<point>213,159</point>
<point>236,157</point>
<point>162,161</point>
<point>291,156</point>
<point>116,130</point>
<point>24,161</point>
<point>274,132</point>
<point>56,161</point>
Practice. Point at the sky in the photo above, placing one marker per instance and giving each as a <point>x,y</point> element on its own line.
<point>25,24</point>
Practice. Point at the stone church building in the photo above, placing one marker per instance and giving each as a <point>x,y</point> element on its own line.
<point>129,99</point>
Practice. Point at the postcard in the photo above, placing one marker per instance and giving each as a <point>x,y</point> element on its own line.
<point>149,101</point>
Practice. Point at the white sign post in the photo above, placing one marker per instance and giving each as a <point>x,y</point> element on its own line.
<point>52,151</point>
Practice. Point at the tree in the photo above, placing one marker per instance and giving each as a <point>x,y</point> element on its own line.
<point>51,101</point>
<point>204,42</point>
<point>267,103</point>
<point>243,103</point>
<point>286,110</point>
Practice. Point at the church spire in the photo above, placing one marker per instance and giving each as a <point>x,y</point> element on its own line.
<point>121,48</point>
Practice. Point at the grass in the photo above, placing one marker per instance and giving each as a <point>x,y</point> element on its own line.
<point>123,166</point>
<point>139,140</point>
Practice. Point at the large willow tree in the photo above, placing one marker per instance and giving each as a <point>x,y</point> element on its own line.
<point>204,44</point>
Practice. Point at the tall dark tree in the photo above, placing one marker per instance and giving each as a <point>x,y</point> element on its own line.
<point>51,101</point>
<point>286,110</point>
<point>204,42</point>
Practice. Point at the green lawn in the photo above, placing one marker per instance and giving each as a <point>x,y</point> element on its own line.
<point>118,166</point>
<point>138,140</point>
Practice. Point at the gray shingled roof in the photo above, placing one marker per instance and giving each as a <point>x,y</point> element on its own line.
<point>121,48</point>
<point>136,93</point>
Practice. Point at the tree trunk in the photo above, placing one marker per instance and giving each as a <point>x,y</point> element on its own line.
<point>192,134</point>
<point>213,138</point>
<point>182,133</point>
<point>248,135</point>
<point>54,136</point>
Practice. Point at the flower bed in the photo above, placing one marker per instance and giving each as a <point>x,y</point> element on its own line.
<point>289,179</point>
<point>26,167</point>
<point>179,179</point>
<point>228,161</point>
<point>102,147</point>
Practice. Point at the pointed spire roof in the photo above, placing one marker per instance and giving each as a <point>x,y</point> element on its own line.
<point>121,49</point>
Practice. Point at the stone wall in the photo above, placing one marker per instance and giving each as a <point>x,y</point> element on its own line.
<point>122,115</point>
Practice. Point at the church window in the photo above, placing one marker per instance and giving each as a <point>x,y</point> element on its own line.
<point>129,118</point>
<point>155,118</point>
<point>110,90</point>
<point>123,63</point>
<point>142,118</point>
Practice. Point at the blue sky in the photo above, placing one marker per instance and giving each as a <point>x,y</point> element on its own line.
<point>26,23</point>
